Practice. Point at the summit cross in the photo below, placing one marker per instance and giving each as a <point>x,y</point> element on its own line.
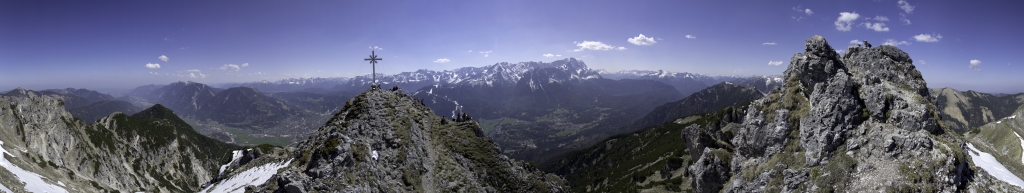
<point>373,60</point>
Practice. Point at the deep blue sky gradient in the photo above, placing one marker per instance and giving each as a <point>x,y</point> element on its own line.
<point>58,44</point>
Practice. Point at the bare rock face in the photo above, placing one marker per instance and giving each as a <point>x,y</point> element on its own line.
<point>857,122</point>
<point>151,151</point>
<point>385,141</point>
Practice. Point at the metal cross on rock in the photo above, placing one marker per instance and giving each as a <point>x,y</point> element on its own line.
<point>373,60</point>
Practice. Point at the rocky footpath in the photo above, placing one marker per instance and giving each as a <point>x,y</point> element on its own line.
<point>386,141</point>
<point>151,151</point>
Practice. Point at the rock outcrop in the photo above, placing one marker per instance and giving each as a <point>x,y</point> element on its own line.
<point>386,141</point>
<point>152,151</point>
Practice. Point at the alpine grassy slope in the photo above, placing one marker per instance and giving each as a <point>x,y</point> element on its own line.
<point>152,151</point>
<point>859,122</point>
<point>963,111</point>
<point>385,141</point>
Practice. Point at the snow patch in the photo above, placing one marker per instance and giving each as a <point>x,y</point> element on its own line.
<point>235,155</point>
<point>254,176</point>
<point>374,155</point>
<point>1021,146</point>
<point>33,182</point>
<point>987,162</point>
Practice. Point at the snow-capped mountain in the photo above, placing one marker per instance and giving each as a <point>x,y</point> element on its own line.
<point>688,83</point>
<point>499,74</point>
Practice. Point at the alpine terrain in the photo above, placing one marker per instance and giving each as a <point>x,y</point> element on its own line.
<point>860,122</point>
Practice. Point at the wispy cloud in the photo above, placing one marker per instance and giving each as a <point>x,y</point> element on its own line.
<point>903,17</point>
<point>854,41</point>
<point>245,65</point>
<point>164,58</point>
<point>691,37</point>
<point>928,37</point>
<point>881,18</point>
<point>376,48</point>
<point>470,51</point>
<point>905,6</point>
<point>880,27</point>
<point>893,42</point>
<point>548,55</point>
<point>768,43</point>
<point>153,66</point>
<point>486,53</point>
<point>230,67</point>
<point>800,9</point>
<point>975,65</point>
<point>442,61</point>
<point>774,63</point>
<point>642,40</point>
<point>845,20</point>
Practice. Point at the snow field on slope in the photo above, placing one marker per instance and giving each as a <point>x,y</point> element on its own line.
<point>33,182</point>
<point>987,162</point>
<point>253,176</point>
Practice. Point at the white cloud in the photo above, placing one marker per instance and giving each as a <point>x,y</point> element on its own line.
<point>153,66</point>
<point>923,63</point>
<point>928,37</point>
<point>549,55</point>
<point>194,70</point>
<point>802,10</point>
<point>621,48</point>
<point>768,43</point>
<point>163,57</point>
<point>854,41</point>
<point>594,45</point>
<point>691,37</point>
<point>442,60</point>
<point>893,42</point>
<point>774,63</point>
<point>558,55</point>
<point>642,40</point>
<point>798,18</point>
<point>876,26</point>
<point>245,65</point>
<point>486,53</point>
<point>840,51</point>
<point>376,48</point>
<point>230,67</point>
<point>975,65</point>
<point>845,20</point>
<point>881,18</point>
<point>903,17</point>
<point>906,7</point>
<point>470,51</point>
<point>154,73</point>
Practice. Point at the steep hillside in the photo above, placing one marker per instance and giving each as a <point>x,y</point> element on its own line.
<point>1002,140</point>
<point>710,99</point>
<point>857,123</point>
<point>151,151</point>
<point>245,107</point>
<point>963,111</point>
<point>385,141</point>
<point>101,109</point>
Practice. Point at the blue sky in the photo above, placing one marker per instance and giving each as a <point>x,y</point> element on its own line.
<point>57,44</point>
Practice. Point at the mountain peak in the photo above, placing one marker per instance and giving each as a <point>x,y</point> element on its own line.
<point>391,135</point>
<point>156,111</point>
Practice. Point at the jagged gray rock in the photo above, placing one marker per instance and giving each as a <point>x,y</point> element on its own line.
<point>709,172</point>
<point>151,151</point>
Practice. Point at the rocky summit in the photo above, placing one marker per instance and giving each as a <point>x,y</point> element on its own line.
<point>386,141</point>
<point>858,122</point>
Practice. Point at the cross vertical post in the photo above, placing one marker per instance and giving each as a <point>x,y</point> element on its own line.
<point>373,60</point>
